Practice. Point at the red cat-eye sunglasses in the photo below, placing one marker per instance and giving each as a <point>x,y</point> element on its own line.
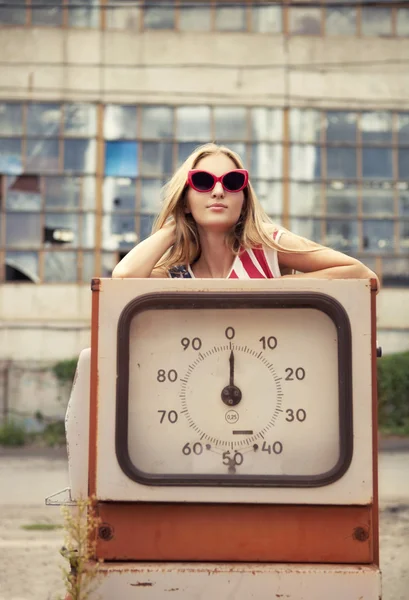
<point>203,181</point>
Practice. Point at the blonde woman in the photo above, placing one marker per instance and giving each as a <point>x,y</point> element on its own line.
<point>212,226</point>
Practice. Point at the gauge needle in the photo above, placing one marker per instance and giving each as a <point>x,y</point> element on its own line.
<point>231,361</point>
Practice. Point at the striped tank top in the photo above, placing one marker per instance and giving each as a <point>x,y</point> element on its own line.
<point>257,263</point>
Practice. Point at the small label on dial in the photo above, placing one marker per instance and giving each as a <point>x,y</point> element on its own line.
<point>232,416</point>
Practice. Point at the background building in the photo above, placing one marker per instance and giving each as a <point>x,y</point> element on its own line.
<point>101,100</point>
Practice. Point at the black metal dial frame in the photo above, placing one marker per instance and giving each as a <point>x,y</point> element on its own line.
<point>236,300</point>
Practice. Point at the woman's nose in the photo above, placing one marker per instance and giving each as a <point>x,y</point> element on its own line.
<point>218,190</point>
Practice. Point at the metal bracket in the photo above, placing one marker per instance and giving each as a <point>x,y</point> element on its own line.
<point>62,498</point>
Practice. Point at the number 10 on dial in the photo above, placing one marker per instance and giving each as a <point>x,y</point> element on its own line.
<point>234,389</point>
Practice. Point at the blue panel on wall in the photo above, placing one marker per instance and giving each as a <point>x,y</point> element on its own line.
<point>121,159</point>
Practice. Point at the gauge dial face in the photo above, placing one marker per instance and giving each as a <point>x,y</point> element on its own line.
<point>233,396</point>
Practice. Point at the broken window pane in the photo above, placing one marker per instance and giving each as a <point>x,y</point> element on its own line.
<point>42,155</point>
<point>80,119</point>
<point>44,119</point>
<point>61,229</point>
<point>119,194</point>
<point>22,266</point>
<point>118,232</point>
<point>60,267</point>
<point>23,193</point>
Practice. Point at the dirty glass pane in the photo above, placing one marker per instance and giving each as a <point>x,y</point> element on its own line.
<point>119,194</point>
<point>120,122</point>
<point>270,195</point>
<point>151,195</point>
<point>376,127</point>
<point>61,229</point>
<point>121,159</point>
<point>230,123</point>
<point>305,198</point>
<point>266,124</point>
<point>22,266</point>
<point>118,232</point>
<point>80,156</point>
<point>41,15</point>
<point>44,119</point>
<point>146,226</point>
<point>159,16</point>
<point>341,163</point>
<point>376,21</point>
<point>88,266</point>
<point>378,235</point>
<point>403,129</point>
<point>340,20</point>
<point>402,22</point>
<point>231,18</point>
<point>404,236</point>
<point>13,15</point>
<point>305,125</point>
<point>60,267</point>
<point>342,235</point>
<point>83,13</point>
<point>80,119</point>
<point>193,123</point>
<point>87,231</point>
<point>267,19</point>
<point>42,155</point>
<point>266,161</point>
<point>11,118</point>
<point>194,18</point>
<point>403,163</point>
<point>157,158</point>
<point>185,149</point>
<point>23,193</point>
<point>395,272</point>
<point>305,21</point>
<point>342,198</point>
<point>377,197</point>
<point>340,126</point>
<point>10,156</point>
<point>109,260</point>
<point>404,201</point>
<point>124,14</point>
<point>377,163</point>
<point>305,162</point>
<point>62,192</point>
<point>23,230</point>
<point>157,122</point>
<point>88,193</point>
<point>308,228</point>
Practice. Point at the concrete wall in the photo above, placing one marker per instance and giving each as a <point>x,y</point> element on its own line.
<point>57,64</point>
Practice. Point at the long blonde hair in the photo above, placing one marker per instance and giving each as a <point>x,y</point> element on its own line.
<point>250,230</point>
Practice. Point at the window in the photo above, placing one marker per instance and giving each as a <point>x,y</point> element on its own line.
<point>340,177</point>
<point>47,189</point>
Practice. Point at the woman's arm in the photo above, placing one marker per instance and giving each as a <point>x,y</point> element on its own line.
<point>140,261</point>
<point>321,262</point>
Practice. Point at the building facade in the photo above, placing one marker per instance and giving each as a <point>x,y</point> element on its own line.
<point>101,100</point>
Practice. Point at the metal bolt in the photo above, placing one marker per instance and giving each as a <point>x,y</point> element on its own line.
<point>105,532</point>
<point>360,534</point>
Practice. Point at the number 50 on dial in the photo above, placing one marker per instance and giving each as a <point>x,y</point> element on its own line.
<point>234,389</point>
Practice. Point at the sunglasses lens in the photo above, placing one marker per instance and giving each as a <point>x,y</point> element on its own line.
<point>233,181</point>
<point>202,181</point>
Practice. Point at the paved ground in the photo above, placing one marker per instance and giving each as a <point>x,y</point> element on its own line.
<point>30,562</point>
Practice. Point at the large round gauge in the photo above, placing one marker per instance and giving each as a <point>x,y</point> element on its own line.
<point>234,389</point>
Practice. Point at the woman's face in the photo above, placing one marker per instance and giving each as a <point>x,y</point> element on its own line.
<point>218,209</point>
